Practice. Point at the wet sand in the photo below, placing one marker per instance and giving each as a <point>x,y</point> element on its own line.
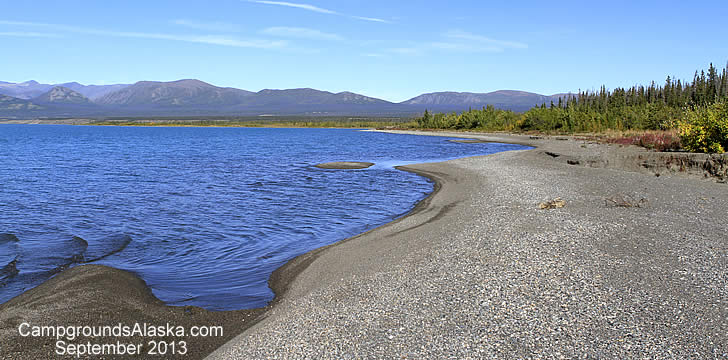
<point>95,295</point>
<point>475,271</point>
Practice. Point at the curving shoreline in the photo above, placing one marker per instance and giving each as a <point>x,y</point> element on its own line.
<point>481,272</point>
<point>410,287</point>
<point>283,278</point>
<point>97,295</point>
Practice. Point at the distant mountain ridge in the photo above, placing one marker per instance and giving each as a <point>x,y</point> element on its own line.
<point>25,90</point>
<point>61,95</point>
<point>93,92</point>
<point>195,97</point>
<point>31,89</point>
<point>311,96</point>
<point>14,104</point>
<point>179,93</point>
<point>508,99</point>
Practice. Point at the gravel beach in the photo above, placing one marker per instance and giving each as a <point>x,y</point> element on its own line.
<point>479,271</point>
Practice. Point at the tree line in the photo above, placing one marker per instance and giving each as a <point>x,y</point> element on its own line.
<point>696,108</point>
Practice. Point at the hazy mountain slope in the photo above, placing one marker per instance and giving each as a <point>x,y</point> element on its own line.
<point>12,104</point>
<point>25,90</point>
<point>196,95</point>
<point>60,95</point>
<point>308,96</point>
<point>506,99</point>
<point>32,89</point>
<point>94,91</point>
<point>181,93</point>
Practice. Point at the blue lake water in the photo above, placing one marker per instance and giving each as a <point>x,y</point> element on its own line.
<point>203,215</point>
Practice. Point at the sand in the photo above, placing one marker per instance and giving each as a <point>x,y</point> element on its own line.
<point>477,270</point>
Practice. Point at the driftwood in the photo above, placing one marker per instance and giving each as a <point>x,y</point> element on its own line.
<point>621,200</point>
<point>553,204</point>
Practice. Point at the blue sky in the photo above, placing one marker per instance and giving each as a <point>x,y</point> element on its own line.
<point>393,50</point>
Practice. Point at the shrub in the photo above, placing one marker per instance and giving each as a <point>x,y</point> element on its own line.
<point>655,140</point>
<point>705,129</point>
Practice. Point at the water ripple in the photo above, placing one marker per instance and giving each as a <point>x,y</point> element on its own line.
<point>203,215</point>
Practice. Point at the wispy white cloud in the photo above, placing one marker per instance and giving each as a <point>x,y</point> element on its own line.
<point>464,47</point>
<point>57,27</point>
<point>208,26</point>
<point>413,50</point>
<point>374,55</point>
<point>301,33</point>
<point>21,23</point>
<point>201,39</point>
<point>29,34</point>
<point>295,5</point>
<point>458,41</point>
<point>372,19</point>
<point>464,35</point>
<point>314,8</point>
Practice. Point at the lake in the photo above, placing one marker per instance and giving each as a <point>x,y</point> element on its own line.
<point>203,215</point>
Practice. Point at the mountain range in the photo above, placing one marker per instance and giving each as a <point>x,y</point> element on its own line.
<point>195,97</point>
<point>31,89</point>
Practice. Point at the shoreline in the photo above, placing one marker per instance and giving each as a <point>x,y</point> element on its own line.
<point>635,159</point>
<point>314,280</point>
<point>592,154</point>
<point>480,271</point>
<point>282,278</point>
<point>140,305</point>
<point>98,285</point>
